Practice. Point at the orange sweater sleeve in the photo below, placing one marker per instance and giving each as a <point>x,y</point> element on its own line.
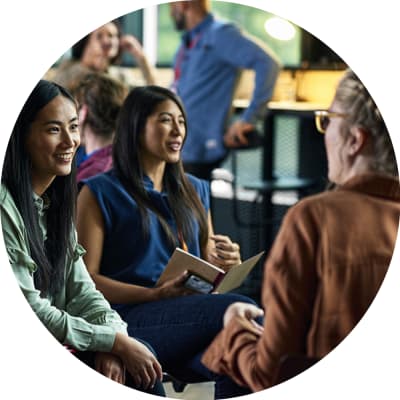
<point>289,287</point>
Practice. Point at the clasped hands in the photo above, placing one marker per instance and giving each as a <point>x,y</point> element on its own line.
<point>131,355</point>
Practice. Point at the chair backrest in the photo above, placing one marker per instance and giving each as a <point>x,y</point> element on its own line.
<point>292,365</point>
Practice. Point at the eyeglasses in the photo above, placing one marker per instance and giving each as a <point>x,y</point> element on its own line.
<point>323,117</point>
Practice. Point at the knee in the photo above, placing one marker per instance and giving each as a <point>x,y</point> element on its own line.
<point>244,299</point>
<point>147,345</point>
<point>235,297</point>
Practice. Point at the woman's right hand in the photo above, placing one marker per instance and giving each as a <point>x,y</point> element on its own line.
<point>140,362</point>
<point>244,310</point>
<point>130,44</point>
<point>173,287</point>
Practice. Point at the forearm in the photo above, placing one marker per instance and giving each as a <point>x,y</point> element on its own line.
<point>124,293</point>
<point>289,288</point>
<point>242,51</point>
<point>266,75</point>
<point>130,44</point>
<point>67,328</point>
<point>140,362</point>
<point>236,352</point>
<point>147,70</point>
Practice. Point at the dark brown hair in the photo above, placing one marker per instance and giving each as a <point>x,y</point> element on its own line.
<point>182,197</point>
<point>103,97</point>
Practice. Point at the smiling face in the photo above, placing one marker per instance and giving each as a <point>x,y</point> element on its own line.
<point>52,141</point>
<point>102,47</point>
<point>107,36</point>
<point>163,136</point>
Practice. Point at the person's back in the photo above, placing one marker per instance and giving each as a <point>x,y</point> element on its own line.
<point>347,237</point>
<point>331,254</point>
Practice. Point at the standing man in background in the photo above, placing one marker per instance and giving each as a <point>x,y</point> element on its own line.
<point>207,68</point>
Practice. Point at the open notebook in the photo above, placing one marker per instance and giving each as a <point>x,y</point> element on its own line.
<point>220,280</point>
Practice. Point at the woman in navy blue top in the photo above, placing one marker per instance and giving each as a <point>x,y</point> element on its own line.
<point>131,219</point>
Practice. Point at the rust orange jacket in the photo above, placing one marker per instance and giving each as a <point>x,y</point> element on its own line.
<point>323,271</point>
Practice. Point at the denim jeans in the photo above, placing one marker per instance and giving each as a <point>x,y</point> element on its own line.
<point>179,330</point>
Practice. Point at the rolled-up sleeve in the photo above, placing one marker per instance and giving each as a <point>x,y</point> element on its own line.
<point>76,326</point>
<point>290,284</point>
<point>78,315</point>
<point>85,301</point>
<point>241,50</point>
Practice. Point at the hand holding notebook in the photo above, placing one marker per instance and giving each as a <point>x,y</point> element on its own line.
<point>218,280</point>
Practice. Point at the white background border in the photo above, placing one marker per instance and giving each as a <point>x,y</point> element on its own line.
<point>35,33</point>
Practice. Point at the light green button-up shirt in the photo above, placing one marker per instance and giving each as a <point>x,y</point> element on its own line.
<point>78,315</point>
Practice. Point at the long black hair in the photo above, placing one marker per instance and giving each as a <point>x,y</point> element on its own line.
<point>51,255</point>
<point>182,197</point>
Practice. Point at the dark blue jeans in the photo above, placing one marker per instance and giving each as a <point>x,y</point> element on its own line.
<point>179,330</point>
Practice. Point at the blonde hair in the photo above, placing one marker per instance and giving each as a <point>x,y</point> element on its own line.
<point>362,111</point>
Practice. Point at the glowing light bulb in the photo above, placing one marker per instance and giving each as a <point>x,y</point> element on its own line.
<point>279,28</point>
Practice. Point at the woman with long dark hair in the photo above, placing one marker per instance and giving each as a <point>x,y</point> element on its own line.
<point>37,210</point>
<point>131,219</point>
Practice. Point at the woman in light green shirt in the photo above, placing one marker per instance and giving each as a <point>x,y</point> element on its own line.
<point>37,198</point>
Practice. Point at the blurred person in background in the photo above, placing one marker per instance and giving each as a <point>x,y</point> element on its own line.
<point>207,67</point>
<point>99,51</point>
<point>100,98</point>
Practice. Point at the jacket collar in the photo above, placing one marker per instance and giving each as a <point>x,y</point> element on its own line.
<point>374,185</point>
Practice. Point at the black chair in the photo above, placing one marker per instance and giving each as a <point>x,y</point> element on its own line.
<point>265,186</point>
<point>177,385</point>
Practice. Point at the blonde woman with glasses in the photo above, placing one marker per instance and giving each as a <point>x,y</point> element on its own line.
<point>330,256</point>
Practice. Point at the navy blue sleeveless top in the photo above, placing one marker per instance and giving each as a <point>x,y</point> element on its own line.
<point>128,256</point>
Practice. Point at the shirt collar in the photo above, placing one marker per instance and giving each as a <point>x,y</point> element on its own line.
<point>149,186</point>
<point>188,36</point>
<point>148,183</point>
<point>41,203</point>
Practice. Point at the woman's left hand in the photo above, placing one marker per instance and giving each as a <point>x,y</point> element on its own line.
<point>110,366</point>
<point>244,310</point>
<point>224,253</point>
